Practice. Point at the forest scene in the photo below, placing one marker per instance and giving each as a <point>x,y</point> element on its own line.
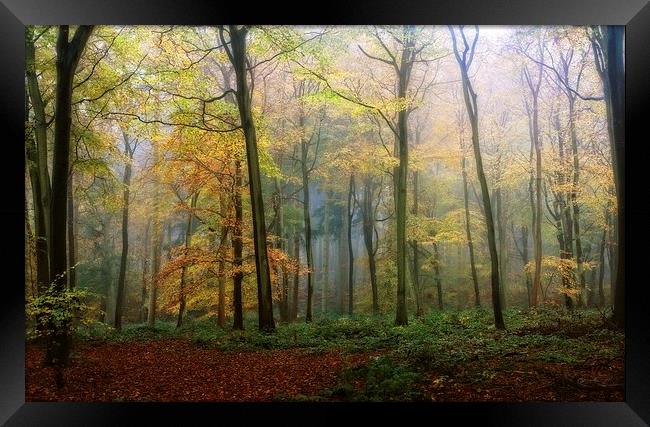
<point>324,213</point>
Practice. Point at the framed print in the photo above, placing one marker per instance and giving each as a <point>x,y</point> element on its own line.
<point>373,207</point>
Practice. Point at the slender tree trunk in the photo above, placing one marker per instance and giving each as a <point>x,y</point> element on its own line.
<point>145,271</point>
<point>417,287</point>
<point>221,269</point>
<point>296,277</point>
<point>574,198</point>
<point>601,266</point>
<point>406,64</point>
<point>350,216</point>
<point>565,227</point>
<point>501,230</point>
<point>368,215</point>
<point>537,277</point>
<point>121,281</point>
<point>237,55</point>
<point>524,257</point>
<point>536,179</point>
<point>326,258</point>
<point>156,243</point>
<point>472,111</point>
<point>237,250</point>
<point>307,223</point>
<point>41,187</point>
<point>188,242</point>
<point>279,232</point>
<point>616,86</point>
<point>342,270</point>
<point>40,239</point>
<point>608,46</point>
<point>470,245</point>
<point>72,258</point>
<point>436,270</point>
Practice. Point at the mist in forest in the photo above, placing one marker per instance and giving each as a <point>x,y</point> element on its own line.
<point>270,175</point>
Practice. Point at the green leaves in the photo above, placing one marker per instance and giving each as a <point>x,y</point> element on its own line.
<point>55,311</point>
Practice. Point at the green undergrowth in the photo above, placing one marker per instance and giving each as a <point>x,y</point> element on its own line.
<point>452,344</point>
<point>440,340</point>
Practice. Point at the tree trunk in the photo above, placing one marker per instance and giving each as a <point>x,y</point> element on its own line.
<point>188,242</point>
<point>296,276</point>
<point>156,243</point>
<point>38,155</point>
<point>601,267</point>
<point>350,216</point>
<point>369,231</point>
<point>145,271</point>
<point>616,92</point>
<point>221,279</point>
<point>40,239</point>
<point>307,223</point>
<point>326,259</point>
<point>574,198</point>
<point>72,257</point>
<point>607,43</point>
<point>436,270</point>
<point>237,250</point>
<point>501,230</point>
<point>67,58</point>
<point>524,257</point>
<point>342,270</point>
<point>121,281</point>
<point>237,55</point>
<point>565,227</point>
<point>281,244</point>
<point>406,64</point>
<point>417,287</point>
<point>472,111</point>
<point>470,245</point>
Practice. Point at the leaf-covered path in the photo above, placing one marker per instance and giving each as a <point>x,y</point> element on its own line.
<point>177,370</point>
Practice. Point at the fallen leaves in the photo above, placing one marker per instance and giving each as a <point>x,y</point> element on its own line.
<point>177,370</point>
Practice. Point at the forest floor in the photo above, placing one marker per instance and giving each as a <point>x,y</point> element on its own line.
<point>544,355</point>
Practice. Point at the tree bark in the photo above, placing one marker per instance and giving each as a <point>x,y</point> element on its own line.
<point>237,250</point>
<point>350,216</point>
<point>472,111</point>
<point>436,270</point>
<point>188,242</point>
<point>39,156</point>
<point>145,271</point>
<point>574,198</point>
<point>404,74</point>
<point>296,276</point>
<point>126,183</point>
<point>67,58</point>
<point>601,267</point>
<point>616,86</point>
<point>536,147</point>
<point>608,47</point>
<point>501,230</point>
<point>221,279</point>
<point>237,55</point>
<point>326,258</point>
<point>156,243</point>
<point>40,238</point>
<point>307,223</point>
<point>369,231</point>
<point>468,232</point>
<point>342,270</point>
<point>417,287</point>
<point>72,256</point>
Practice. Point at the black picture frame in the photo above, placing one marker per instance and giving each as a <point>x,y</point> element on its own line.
<point>15,14</point>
